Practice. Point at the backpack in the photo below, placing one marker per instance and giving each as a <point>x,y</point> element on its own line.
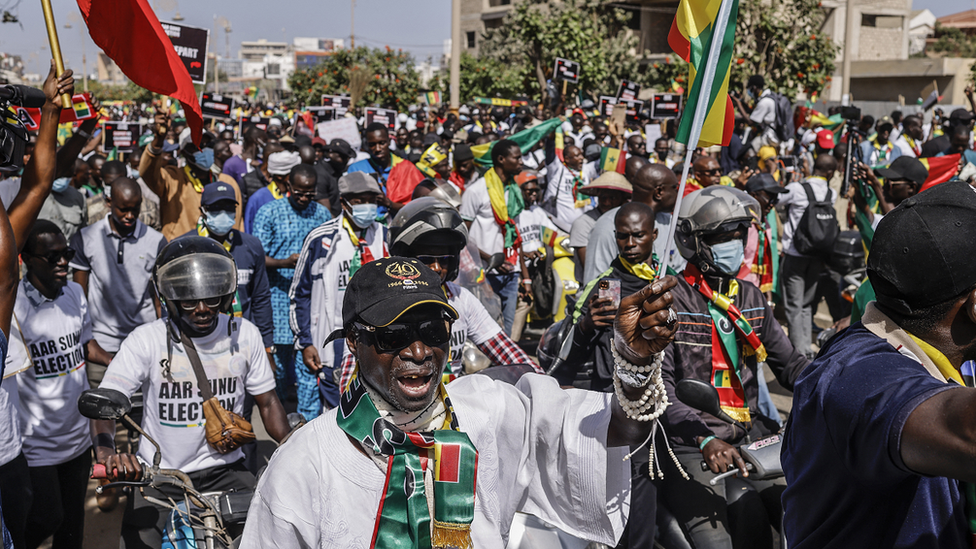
<point>785,129</point>
<point>817,230</point>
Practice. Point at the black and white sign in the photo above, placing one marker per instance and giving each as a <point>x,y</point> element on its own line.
<point>215,105</point>
<point>566,70</point>
<point>628,90</point>
<point>386,117</point>
<point>190,44</point>
<point>120,135</point>
<point>633,107</point>
<point>665,105</point>
<point>260,121</point>
<point>322,114</point>
<point>341,103</point>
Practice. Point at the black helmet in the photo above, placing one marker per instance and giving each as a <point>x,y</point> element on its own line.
<point>428,221</point>
<point>712,210</point>
<point>193,268</point>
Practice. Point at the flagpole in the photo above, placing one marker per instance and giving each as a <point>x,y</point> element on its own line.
<point>701,110</point>
<point>52,37</point>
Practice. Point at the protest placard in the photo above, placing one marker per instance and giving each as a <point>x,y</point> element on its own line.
<point>566,70</point>
<point>190,44</point>
<point>215,105</point>
<point>387,117</point>
<point>341,103</point>
<point>665,105</point>
<point>343,128</point>
<point>120,136</point>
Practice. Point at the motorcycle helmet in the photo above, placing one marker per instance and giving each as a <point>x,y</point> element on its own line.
<point>428,221</point>
<point>712,210</point>
<point>194,268</point>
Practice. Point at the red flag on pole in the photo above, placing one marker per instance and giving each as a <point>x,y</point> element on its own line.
<point>130,34</point>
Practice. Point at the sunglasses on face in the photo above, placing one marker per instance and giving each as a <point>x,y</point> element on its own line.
<point>55,257</point>
<point>395,337</point>
<point>431,259</point>
<point>192,304</point>
<point>309,195</point>
<point>716,171</point>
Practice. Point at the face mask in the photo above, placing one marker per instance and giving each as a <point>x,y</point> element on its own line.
<point>203,159</point>
<point>60,184</point>
<point>727,256</point>
<point>219,223</point>
<point>750,94</point>
<point>363,214</point>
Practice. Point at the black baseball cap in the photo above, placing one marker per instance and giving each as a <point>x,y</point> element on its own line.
<point>961,115</point>
<point>921,254</point>
<point>382,290</point>
<point>342,147</point>
<point>905,167</point>
<point>764,182</point>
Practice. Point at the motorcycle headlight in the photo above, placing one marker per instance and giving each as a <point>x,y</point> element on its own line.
<point>570,286</point>
<point>564,243</point>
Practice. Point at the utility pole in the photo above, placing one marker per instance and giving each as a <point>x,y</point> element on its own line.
<point>352,26</point>
<point>455,55</point>
<point>845,89</point>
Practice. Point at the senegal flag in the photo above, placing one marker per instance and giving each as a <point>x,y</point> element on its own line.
<point>612,160</point>
<point>691,38</point>
<point>526,139</point>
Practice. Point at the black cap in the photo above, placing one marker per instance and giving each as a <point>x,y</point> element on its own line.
<point>342,147</point>
<point>463,152</point>
<point>382,290</point>
<point>905,167</point>
<point>962,115</point>
<point>764,182</point>
<point>921,254</point>
<point>215,192</point>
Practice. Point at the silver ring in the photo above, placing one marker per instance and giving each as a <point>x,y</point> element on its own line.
<point>672,318</point>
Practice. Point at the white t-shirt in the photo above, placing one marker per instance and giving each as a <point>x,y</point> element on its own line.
<point>473,323</point>
<point>55,333</point>
<point>904,144</point>
<point>476,208</point>
<point>796,203</point>
<point>173,413</point>
<point>11,440</point>
<point>558,200</point>
<point>541,450</point>
<point>530,223</point>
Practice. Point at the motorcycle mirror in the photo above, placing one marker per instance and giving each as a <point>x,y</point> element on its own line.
<point>495,261</point>
<point>702,396</point>
<point>103,404</point>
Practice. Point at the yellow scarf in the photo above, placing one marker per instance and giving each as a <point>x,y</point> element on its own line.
<point>273,187</point>
<point>506,204</point>
<point>642,271</point>
<point>940,360</point>
<point>197,184</point>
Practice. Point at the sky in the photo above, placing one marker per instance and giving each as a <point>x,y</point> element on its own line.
<point>419,26</point>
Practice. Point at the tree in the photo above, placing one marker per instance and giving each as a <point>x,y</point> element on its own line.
<point>590,32</point>
<point>393,81</point>
<point>784,43</point>
<point>950,41</point>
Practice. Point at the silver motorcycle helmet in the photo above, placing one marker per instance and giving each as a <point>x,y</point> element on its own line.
<point>193,268</point>
<point>712,210</point>
<point>428,221</point>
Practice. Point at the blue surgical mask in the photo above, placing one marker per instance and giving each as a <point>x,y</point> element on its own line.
<point>60,184</point>
<point>219,223</point>
<point>203,159</point>
<point>363,215</point>
<point>727,256</point>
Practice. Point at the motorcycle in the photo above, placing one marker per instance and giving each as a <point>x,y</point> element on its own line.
<point>555,274</point>
<point>211,520</point>
<point>762,456</point>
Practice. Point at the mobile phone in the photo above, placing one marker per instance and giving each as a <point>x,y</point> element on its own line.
<point>610,289</point>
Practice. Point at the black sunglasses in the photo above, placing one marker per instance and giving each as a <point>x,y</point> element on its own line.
<point>55,257</point>
<point>395,337</point>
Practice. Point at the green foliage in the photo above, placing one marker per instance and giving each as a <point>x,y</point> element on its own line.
<point>785,45</point>
<point>128,92</point>
<point>393,80</point>
<point>668,74</point>
<point>953,42</point>
<point>589,32</point>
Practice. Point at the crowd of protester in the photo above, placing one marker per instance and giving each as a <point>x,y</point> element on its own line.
<point>301,213</point>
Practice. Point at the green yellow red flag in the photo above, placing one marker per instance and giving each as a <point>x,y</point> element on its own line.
<point>612,160</point>
<point>691,37</point>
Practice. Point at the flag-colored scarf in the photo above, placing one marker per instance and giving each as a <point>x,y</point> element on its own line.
<point>883,150</point>
<point>404,519</point>
<point>506,203</point>
<point>579,201</point>
<point>275,192</point>
<point>363,254</point>
<point>763,265</point>
<point>726,359</point>
<point>642,271</point>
